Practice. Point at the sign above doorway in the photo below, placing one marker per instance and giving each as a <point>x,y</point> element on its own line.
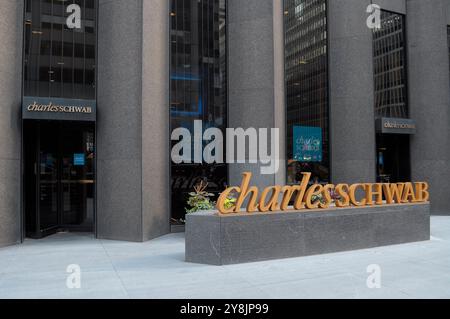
<point>396,126</point>
<point>38,108</point>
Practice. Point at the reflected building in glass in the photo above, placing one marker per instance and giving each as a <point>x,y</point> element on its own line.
<point>390,66</point>
<point>306,67</point>
<point>198,89</point>
<point>58,61</point>
<point>448,36</point>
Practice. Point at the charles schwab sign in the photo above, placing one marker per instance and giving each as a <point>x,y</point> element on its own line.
<point>396,126</point>
<point>303,195</point>
<point>37,108</point>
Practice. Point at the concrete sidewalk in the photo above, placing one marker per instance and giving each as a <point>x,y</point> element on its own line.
<point>157,269</point>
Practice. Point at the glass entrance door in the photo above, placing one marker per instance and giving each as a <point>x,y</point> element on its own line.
<point>48,180</point>
<point>59,177</point>
<point>77,178</point>
<point>393,158</point>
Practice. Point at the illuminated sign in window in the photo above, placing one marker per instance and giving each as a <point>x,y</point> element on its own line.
<point>79,159</point>
<point>308,144</point>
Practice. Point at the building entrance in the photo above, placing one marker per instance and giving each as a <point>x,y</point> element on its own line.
<point>394,163</point>
<point>59,177</point>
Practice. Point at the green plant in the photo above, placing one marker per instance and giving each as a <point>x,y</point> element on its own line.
<point>200,200</point>
<point>318,198</point>
<point>230,202</point>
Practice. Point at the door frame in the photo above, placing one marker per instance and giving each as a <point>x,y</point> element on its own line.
<point>40,233</point>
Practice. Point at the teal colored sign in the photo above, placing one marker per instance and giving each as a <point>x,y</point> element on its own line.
<point>308,144</point>
<point>79,159</point>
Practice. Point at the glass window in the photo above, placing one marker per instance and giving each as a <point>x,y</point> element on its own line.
<point>448,34</point>
<point>390,67</point>
<point>59,62</point>
<point>306,65</point>
<point>198,88</point>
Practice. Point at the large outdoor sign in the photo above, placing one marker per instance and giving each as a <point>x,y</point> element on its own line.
<point>304,196</point>
<point>38,108</point>
<point>308,144</point>
<point>396,126</point>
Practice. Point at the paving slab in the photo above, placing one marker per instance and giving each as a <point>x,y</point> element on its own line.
<point>157,269</point>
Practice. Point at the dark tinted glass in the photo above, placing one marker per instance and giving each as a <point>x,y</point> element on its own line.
<point>198,88</point>
<point>58,61</point>
<point>390,67</point>
<point>448,34</point>
<point>306,66</point>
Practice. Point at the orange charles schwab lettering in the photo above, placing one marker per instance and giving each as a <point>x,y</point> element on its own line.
<point>304,196</point>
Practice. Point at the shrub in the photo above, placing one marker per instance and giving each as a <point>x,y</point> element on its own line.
<point>200,199</point>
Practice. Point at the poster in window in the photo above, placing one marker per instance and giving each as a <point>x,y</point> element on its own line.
<point>308,144</point>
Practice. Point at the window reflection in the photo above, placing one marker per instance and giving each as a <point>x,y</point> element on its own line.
<point>59,62</point>
<point>198,88</point>
<point>306,65</point>
<point>448,33</point>
<point>390,67</point>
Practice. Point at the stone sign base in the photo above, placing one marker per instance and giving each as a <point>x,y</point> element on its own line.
<point>241,238</point>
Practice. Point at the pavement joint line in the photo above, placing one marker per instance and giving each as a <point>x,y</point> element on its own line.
<point>122,284</point>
